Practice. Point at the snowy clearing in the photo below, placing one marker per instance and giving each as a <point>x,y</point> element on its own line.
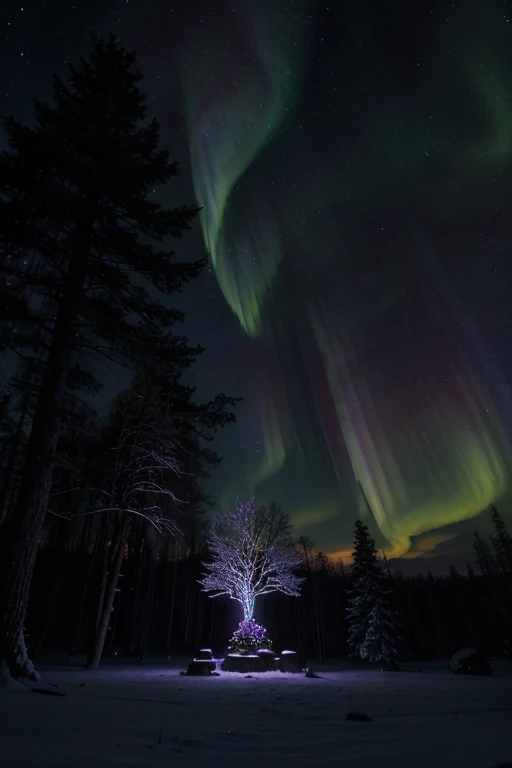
<point>145,716</point>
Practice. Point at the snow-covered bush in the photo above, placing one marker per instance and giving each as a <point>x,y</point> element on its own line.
<point>374,631</point>
<point>249,638</point>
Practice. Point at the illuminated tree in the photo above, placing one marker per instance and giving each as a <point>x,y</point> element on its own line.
<point>253,554</point>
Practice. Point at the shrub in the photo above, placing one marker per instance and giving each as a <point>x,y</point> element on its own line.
<point>249,638</point>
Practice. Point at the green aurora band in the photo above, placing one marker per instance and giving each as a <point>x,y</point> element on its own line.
<point>378,389</point>
<point>228,131</point>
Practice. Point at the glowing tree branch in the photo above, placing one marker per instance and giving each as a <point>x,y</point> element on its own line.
<point>253,554</point>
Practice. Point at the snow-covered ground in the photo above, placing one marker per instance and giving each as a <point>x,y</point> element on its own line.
<point>149,716</point>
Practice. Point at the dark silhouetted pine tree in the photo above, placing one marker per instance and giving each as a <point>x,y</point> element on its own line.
<point>365,558</point>
<point>81,237</point>
<point>502,542</point>
<point>484,556</point>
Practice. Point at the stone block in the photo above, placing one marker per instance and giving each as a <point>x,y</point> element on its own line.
<point>205,654</point>
<point>289,661</point>
<point>237,662</point>
<point>201,668</point>
<point>267,660</point>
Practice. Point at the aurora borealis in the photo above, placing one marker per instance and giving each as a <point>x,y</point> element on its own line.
<point>354,165</point>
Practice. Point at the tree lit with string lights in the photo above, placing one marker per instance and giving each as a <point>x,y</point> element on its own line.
<point>253,554</point>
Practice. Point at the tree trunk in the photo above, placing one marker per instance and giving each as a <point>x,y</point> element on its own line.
<point>20,666</point>
<point>110,593</point>
<point>25,526</point>
<point>212,621</point>
<point>170,626</point>
<point>50,615</point>
<point>319,623</point>
<point>147,613</point>
<point>103,586</point>
<point>6,490</point>
<point>78,635</point>
<point>248,606</point>
<point>301,626</point>
<point>189,604</point>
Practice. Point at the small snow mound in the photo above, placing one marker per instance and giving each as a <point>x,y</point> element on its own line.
<point>311,673</point>
<point>8,683</point>
<point>469,661</point>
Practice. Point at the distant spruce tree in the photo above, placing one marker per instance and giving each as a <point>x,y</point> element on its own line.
<point>501,541</point>
<point>365,557</point>
<point>364,563</point>
<point>484,556</point>
<point>374,627</point>
<point>84,243</point>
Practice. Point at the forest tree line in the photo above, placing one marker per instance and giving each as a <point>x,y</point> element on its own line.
<point>160,608</point>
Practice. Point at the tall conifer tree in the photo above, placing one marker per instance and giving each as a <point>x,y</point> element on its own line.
<point>502,542</point>
<point>374,626</point>
<point>484,555</point>
<point>85,244</point>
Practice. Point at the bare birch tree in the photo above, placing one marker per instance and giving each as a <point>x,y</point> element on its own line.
<point>253,554</point>
<point>143,469</point>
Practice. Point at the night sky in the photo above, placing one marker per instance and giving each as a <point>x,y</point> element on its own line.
<point>354,164</point>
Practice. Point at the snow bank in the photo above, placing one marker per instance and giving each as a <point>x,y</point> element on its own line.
<point>147,717</point>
